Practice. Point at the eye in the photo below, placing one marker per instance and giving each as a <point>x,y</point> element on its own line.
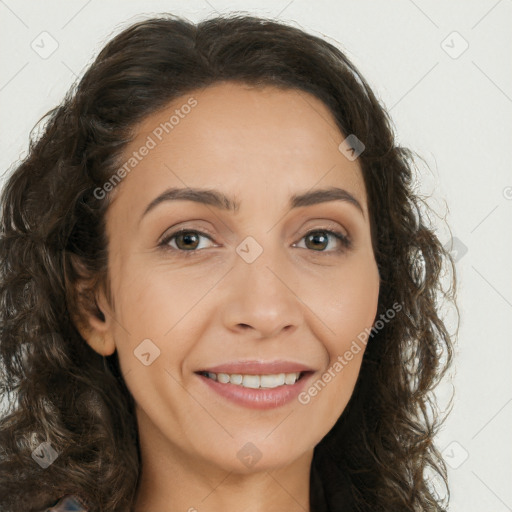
<point>187,240</point>
<point>318,239</point>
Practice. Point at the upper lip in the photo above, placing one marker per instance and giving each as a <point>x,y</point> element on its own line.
<point>258,367</point>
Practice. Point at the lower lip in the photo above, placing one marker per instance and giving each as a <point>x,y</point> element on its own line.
<point>263,398</point>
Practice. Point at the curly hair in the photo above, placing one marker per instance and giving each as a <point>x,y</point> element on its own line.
<point>380,454</point>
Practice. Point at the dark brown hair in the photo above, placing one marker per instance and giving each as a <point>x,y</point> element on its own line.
<point>380,455</point>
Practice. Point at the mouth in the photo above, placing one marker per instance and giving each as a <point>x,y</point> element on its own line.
<point>256,381</point>
<point>256,384</point>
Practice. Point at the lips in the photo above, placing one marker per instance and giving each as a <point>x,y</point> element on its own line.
<point>267,393</point>
<point>258,368</point>
<point>257,384</point>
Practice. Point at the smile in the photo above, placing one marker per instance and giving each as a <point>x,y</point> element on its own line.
<point>263,391</point>
<point>255,381</point>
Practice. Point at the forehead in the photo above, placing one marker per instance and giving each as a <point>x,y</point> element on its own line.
<point>237,137</point>
<point>234,113</point>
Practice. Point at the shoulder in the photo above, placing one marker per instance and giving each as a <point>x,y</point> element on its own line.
<point>68,503</point>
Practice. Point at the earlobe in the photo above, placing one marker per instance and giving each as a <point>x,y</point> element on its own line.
<point>100,336</point>
<point>97,329</point>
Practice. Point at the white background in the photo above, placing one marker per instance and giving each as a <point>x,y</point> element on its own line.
<point>454,110</point>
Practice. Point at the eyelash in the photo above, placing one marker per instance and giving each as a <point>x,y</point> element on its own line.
<point>345,242</point>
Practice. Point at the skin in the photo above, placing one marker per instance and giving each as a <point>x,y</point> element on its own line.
<point>297,301</point>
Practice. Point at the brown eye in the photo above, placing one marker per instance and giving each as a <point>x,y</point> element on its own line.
<point>319,239</point>
<point>186,240</point>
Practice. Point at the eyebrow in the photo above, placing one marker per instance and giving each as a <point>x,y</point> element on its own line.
<point>219,200</point>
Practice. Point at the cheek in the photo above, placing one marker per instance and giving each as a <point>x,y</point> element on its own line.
<point>352,303</point>
<point>153,316</point>
<point>154,335</point>
<point>349,307</point>
<point>153,301</point>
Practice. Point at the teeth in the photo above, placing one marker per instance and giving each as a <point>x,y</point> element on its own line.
<point>290,378</point>
<point>223,377</point>
<point>251,381</point>
<point>272,381</point>
<point>255,381</point>
<point>236,378</point>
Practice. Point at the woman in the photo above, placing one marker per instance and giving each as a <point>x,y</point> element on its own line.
<point>218,287</point>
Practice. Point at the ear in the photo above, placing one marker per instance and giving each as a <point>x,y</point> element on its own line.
<point>96,331</point>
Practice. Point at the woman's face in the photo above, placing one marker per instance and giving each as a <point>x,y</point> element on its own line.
<point>251,284</point>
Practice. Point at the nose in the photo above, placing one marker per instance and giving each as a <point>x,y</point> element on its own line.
<point>261,297</point>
